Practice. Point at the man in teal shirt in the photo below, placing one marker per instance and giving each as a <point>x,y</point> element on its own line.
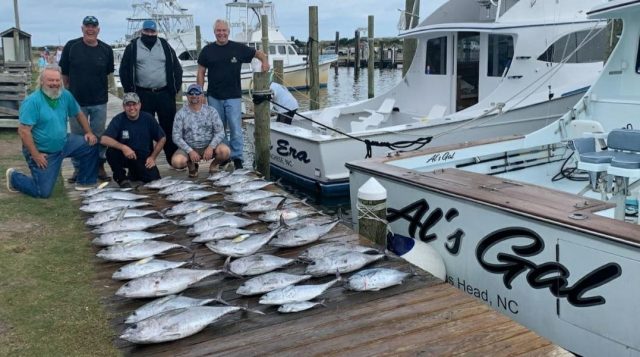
<point>45,142</point>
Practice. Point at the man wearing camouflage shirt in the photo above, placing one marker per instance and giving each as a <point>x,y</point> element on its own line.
<point>198,132</point>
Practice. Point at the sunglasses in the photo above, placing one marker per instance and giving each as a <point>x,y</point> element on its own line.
<point>194,93</point>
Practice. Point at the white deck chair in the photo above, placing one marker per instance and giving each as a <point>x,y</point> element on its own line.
<point>375,116</point>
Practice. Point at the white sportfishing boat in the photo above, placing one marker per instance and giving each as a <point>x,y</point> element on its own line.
<point>175,24</point>
<point>542,227</point>
<point>482,68</point>
<point>244,21</point>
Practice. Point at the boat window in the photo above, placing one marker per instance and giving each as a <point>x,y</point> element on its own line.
<point>282,50</point>
<point>291,50</point>
<point>188,55</point>
<point>500,55</point>
<point>593,50</point>
<point>436,56</point>
<point>252,45</point>
<point>272,50</point>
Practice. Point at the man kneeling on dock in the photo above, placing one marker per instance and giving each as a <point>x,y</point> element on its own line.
<point>198,132</point>
<point>130,140</point>
<point>45,142</point>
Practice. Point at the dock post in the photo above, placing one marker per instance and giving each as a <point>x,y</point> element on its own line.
<point>412,9</point>
<point>278,71</point>
<point>16,35</point>
<point>371,61</point>
<point>314,80</point>
<point>262,131</point>
<point>198,42</point>
<point>372,212</point>
<point>356,56</point>
<point>337,50</point>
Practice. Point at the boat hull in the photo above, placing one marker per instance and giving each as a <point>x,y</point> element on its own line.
<point>575,287</point>
<point>313,160</point>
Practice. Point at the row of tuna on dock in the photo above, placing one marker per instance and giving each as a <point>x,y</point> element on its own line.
<point>243,227</point>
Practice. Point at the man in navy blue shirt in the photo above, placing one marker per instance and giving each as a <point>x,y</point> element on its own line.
<point>129,139</point>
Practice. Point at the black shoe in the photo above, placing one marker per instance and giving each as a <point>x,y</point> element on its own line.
<point>223,165</point>
<point>73,177</point>
<point>125,184</point>
<point>237,163</point>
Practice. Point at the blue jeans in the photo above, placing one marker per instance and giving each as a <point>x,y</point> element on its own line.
<point>230,111</point>
<point>42,181</point>
<point>97,116</point>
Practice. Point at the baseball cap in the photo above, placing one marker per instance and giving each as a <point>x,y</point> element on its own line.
<point>194,89</point>
<point>90,20</point>
<point>130,97</point>
<point>149,25</point>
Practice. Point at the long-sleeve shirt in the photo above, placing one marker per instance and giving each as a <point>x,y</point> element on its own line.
<point>197,130</point>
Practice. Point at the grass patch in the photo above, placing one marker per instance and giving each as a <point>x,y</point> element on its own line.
<point>50,305</point>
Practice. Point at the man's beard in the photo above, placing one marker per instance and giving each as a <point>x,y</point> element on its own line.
<point>53,93</point>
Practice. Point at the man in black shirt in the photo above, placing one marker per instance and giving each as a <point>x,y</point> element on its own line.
<point>223,61</point>
<point>86,63</point>
<point>130,139</point>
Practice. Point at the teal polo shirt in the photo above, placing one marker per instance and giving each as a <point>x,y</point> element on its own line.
<point>48,125</point>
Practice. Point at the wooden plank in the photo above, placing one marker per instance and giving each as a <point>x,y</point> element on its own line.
<point>9,123</point>
<point>8,111</point>
<point>16,97</point>
<point>16,88</point>
<point>12,78</point>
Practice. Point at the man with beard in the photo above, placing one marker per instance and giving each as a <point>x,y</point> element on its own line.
<point>130,139</point>
<point>223,60</point>
<point>198,132</point>
<point>150,68</point>
<point>45,142</point>
<point>86,63</point>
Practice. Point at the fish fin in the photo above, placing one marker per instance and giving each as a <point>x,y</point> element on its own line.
<point>121,214</point>
<point>321,302</point>
<point>247,309</point>
<point>103,185</point>
<point>220,300</point>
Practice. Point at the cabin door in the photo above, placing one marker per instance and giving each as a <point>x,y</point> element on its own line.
<point>467,69</point>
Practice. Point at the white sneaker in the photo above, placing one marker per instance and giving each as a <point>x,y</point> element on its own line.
<point>80,187</point>
<point>8,174</point>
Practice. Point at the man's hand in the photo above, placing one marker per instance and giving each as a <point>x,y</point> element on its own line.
<point>265,66</point>
<point>208,153</point>
<point>41,160</point>
<point>91,139</point>
<point>151,162</point>
<point>194,156</point>
<point>128,153</point>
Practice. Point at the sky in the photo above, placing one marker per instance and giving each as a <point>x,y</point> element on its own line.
<point>54,22</point>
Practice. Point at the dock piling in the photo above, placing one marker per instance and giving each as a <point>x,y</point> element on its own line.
<point>371,60</point>
<point>314,76</point>
<point>261,110</point>
<point>372,212</point>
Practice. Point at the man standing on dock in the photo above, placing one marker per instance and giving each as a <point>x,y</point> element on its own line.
<point>45,142</point>
<point>86,63</point>
<point>222,62</point>
<point>150,68</point>
<point>198,132</point>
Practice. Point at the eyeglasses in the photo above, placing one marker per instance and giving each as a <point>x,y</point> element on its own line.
<point>130,104</point>
<point>194,94</point>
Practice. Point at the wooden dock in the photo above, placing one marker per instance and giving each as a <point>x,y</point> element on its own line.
<point>423,316</point>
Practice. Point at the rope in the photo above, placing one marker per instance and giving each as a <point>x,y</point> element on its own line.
<point>260,97</point>
<point>368,212</point>
<point>403,144</point>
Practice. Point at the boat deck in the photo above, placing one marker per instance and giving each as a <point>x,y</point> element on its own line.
<point>423,316</point>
